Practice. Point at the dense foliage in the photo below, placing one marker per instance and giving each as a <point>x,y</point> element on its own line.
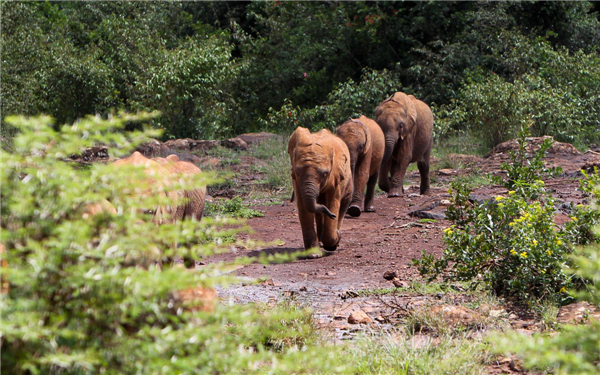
<point>512,243</point>
<point>86,295</point>
<point>215,69</point>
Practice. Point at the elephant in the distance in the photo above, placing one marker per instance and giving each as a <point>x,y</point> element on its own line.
<point>366,144</point>
<point>323,185</point>
<point>159,178</point>
<point>193,207</point>
<point>407,124</point>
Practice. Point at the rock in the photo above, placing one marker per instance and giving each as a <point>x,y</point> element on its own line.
<point>576,313</point>
<point>457,315</point>
<point>446,172</point>
<point>399,283</point>
<point>390,275</point>
<point>153,148</point>
<point>533,144</point>
<point>429,210</point>
<point>254,138</point>
<point>203,145</point>
<point>179,144</point>
<point>359,317</point>
<point>235,143</point>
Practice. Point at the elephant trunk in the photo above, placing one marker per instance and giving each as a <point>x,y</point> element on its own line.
<point>390,144</point>
<point>309,194</point>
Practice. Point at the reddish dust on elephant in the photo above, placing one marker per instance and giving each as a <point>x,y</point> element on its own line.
<point>366,144</point>
<point>407,124</point>
<point>323,186</point>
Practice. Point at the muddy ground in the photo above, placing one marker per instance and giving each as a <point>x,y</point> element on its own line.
<point>386,240</point>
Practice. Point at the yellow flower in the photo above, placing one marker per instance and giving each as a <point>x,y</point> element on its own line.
<point>523,254</point>
<point>534,242</point>
<point>448,231</point>
<point>513,252</point>
<point>499,198</point>
<point>549,252</point>
<point>511,192</point>
<point>558,242</point>
<point>511,223</point>
<point>563,289</point>
<point>573,218</point>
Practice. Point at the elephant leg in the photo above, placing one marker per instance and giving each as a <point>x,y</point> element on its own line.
<point>345,203</point>
<point>423,165</point>
<point>360,180</point>
<point>384,175</point>
<point>398,173</point>
<point>320,219</point>
<point>369,201</point>
<point>307,223</point>
<point>331,234</point>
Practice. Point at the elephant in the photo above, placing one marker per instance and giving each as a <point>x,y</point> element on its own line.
<point>160,178</point>
<point>323,185</point>
<point>407,124</point>
<point>193,207</point>
<point>366,144</point>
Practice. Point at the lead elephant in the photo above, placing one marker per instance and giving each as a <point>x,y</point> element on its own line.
<point>407,124</point>
<point>322,181</point>
<point>366,144</point>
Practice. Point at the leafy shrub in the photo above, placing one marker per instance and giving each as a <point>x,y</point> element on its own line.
<point>85,295</point>
<point>349,99</point>
<point>575,349</point>
<point>554,90</point>
<point>233,207</point>
<point>511,243</point>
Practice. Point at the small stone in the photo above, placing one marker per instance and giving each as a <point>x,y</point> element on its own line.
<point>380,319</point>
<point>390,275</point>
<point>303,289</point>
<point>399,283</point>
<point>359,317</point>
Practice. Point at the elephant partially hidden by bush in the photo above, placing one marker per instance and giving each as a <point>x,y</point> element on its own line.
<point>407,124</point>
<point>323,185</point>
<point>193,205</point>
<point>366,144</point>
<point>160,178</point>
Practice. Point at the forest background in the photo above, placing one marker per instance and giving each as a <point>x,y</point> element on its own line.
<point>217,69</point>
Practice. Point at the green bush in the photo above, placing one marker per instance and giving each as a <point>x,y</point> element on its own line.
<point>85,294</point>
<point>233,207</point>
<point>574,350</point>
<point>511,243</point>
<point>553,91</point>
<point>349,99</point>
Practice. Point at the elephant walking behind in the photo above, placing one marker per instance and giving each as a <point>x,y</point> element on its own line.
<point>407,124</point>
<point>323,185</point>
<point>366,145</point>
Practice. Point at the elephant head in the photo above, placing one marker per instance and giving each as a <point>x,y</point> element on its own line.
<point>396,116</point>
<point>311,169</point>
<point>357,137</point>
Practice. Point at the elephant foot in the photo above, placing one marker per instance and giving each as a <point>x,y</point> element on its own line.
<point>395,193</point>
<point>312,256</point>
<point>354,211</point>
<point>370,208</point>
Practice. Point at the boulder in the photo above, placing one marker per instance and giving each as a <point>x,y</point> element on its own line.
<point>359,317</point>
<point>235,143</point>
<point>153,148</point>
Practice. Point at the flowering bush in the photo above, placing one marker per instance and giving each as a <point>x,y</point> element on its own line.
<point>511,243</point>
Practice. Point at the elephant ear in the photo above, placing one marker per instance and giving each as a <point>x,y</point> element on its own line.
<point>367,134</point>
<point>411,116</point>
<point>295,139</point>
